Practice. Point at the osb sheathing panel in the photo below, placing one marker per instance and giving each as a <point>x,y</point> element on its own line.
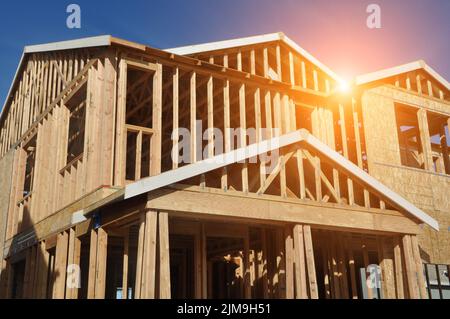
<point>426,190</point>
<point>380,129</point>
<point>6,168</point>
<point>403,96</point>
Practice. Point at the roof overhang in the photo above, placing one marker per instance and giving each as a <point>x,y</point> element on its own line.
<point>253,40</point>
<point>397,70</point>
<point>98,41</point>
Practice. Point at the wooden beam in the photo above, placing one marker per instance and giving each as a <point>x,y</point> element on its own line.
<point>303,71</point>
<point>278,58</point>
<point>246,266</point>
<point>413,288</point>
<point>419,268</point>
<point>74,262</point>
<point>126,249</point>
<point>138,293</point>
<point>289,256</point>
<point>284,158</point>
<point>92,264</point>
<point>366,261</point>
<point>291,68</point>
<point>164,256</point>
<point>266,62</point>
<point>342,266</point>
<point>227,128</point>
<point>243,135</point>
<point>336,283</point>
<point>148,285</point>
<point>193,109</point>
<point>263,265</point>
<point>425,140</point>
<point>175,116</point>
<point>387,267</point>
<point>60,266</point>
<point>398,268</point>
<point>309,253</point>
<point>102,250</point>
<point>203,262</point>
<point>252,62</point>
<point>210,107</point>
<point>419,84</point>
<point>352,267</point>
<point>300,265</point>
<point>232,204</point>
<point>430,88</point>
<point>155,163</point>
<point>239,60</point>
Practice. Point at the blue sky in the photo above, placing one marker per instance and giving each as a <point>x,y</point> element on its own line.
<point>333,31</point>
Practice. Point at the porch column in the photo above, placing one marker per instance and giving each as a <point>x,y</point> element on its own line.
<point>97,264</point>
<point>164,256</point>
<point>304,263</point>
<point>59,274</point>
<point>414,268</point>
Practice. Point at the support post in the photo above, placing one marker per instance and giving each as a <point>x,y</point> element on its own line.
<point>309,252</point>
<point>164,256</point>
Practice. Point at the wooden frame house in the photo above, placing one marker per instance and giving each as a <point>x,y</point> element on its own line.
<point>95,202</point>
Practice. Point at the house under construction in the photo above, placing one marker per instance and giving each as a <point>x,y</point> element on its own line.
<point>97,199</point>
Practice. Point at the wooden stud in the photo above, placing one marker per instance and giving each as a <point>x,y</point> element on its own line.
<point>193,108</point>
<point>366,267</point>
<point>246,266</point>
<point>289,256</point>
<point>102,249</point>
<point>291,68</point>
<point>425,138</point>
<point>148,284</point>
<point>419,267</point>
<point>164,256</point>
<point>309,253</point>
<point>252,62</point>
<point>227,138</point>
<point>243,135</point>
<point>300,265</point>
<point>210,98</point>
<point>263,265</point>
<point>239,61</point>
<point>175,115</point>
<point>413,289</point>
<point>138,293</point>
<point>398,268</point>
<point>60,266</point>
<point>92,264</point>
<point>126,249</point>
<point>419,84</point>
<point>266,62</point>
<point>352,267</point>
<point>278,58</point>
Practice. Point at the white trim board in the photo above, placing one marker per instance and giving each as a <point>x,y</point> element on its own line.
<point>170,177</point>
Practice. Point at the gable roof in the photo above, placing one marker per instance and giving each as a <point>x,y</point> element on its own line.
<point>400,69</point>
<point>98,41</point>
<point>270,37</point>
<point>174,176</point>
